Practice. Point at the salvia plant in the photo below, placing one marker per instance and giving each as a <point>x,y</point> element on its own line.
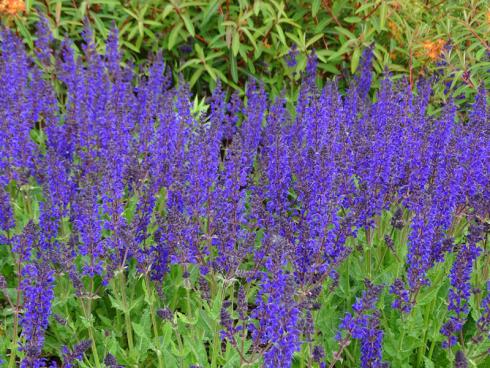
<point>141,230</point>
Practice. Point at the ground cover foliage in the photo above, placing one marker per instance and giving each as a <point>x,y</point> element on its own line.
<point>139,229</point>
<point>230,41</point>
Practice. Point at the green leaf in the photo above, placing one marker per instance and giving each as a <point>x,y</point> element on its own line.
<point>180,353</point>
<point>214,55</point>
<point>251,66</point>
<point>210,11</point>
<point>428,363</point>
<point>132,14</point>
<point>346,33</point>
<point>141,28</point>
<point>258,5</point>
<point>231,357</point>
<point>166,11</point>
<point>343,49</point>
<point>190,62</point>
<point>354,63</point>
<point>228,33</point>
<point>299,39</point>
<point>182,317</point>
<point>196,75</point>
<point>141,331</point>
<point>229,23</point>
<point>280,34</point>
<point>188,24</point>
<point>87,322</point>
<point>172,37</point>
<point>428,296</point>
<point>210,71</point>
<point>250,37</point>
<point>289,21</point>
<point>199,51</point>
<point>352,20</point>
<point>100,26</point>
<point>315,6</point>
<point>366,6</point>
<point>382,15</point>
<point>197,347</point>
<point>235,43</point>
<point>329,68</point>
<point>233,68</point>
<point>167,332</point>
<point>24,32</point>
<point>313,39</point>
<point>151,35</point>
<point>116,304</point>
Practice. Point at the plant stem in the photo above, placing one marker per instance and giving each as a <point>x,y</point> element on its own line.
<point>88,316</point>
<point>181,345</point>
<point>348,282</point>
<point>368,239</point>
<point>13,346</point>
<point>216,338</point>
<point>94,346</point>
<point>127,314</point>
<point>153,319</point>
<point>401,340</point>
<point>431,350</point>
<point>302,361</point>
<point>15,332</point>
<point>242,342</point>
<point>422,348</point>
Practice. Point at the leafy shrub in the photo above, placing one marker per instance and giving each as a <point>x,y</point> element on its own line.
<point>139,231</point>
<point>233,40</point>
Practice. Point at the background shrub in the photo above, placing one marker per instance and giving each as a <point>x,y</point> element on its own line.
<point>233,40</point>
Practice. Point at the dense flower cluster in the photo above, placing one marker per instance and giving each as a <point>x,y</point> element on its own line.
<point>37,285</point>
<point>247,189</point>
<point>460,292</point>
<point>364,325</point>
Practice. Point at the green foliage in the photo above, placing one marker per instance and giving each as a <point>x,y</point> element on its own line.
<point>233,40</point>
<point>122,318</point>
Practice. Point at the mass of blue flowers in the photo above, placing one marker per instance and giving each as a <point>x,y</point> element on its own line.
<point>257,203</point>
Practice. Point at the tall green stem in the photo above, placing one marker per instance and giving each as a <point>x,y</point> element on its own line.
<point>87,312</point>
<point>15,331</point>
<point>181,345</point>
<point>422,348</point>
<point>216,338</point>
<point>154,319</point>
<point>13,346</point>
<point>368,238</point>
<point>127,312</point>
